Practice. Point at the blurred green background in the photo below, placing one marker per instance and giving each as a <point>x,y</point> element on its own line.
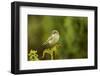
<point>73,34</point>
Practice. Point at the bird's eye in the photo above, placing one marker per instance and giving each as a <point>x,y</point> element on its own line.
<point>54,32</point>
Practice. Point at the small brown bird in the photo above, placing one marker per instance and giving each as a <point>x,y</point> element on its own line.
<point>50,43</point>
<point>52,40</point>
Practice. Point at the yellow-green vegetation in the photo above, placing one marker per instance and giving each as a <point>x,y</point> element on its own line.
<point>73,31</point>
<point>51,52</point>
<point>32,56</point>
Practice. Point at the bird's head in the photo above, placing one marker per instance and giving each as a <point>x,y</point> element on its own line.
<point>55,32</point>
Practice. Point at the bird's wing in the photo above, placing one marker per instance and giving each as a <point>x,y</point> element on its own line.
<point>49,39</point>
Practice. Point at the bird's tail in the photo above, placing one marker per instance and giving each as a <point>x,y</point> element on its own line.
<point>45,43</point>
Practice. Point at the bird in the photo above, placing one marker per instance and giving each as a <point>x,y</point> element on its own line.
<point>52,39</point>
<point>50,43</point>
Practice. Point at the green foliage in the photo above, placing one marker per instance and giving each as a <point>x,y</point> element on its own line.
<point>73,36</point>
<point>51,52</point>
<point>32,55</point>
